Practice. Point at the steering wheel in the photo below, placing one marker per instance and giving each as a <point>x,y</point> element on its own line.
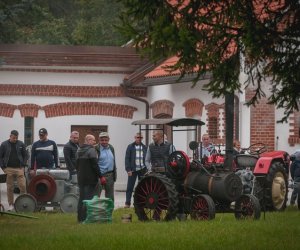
<point>257,148</point>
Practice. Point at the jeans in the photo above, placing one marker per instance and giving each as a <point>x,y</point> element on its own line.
<point>86,192</point>
<point>11,174</point>
<point>130,184</point>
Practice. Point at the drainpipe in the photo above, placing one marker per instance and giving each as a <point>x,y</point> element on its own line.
<point>127,94</point>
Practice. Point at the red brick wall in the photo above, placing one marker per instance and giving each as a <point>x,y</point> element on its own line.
<point>68,91</point>
<point>294,132</point>
<point>162,108</point>
<point>193,107</point>
<point>262,122</point>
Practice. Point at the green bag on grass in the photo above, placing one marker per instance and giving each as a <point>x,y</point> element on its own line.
<point>98,210</point>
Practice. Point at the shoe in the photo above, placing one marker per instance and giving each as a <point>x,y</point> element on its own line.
<point>11,208</point>
<point>127,206</point>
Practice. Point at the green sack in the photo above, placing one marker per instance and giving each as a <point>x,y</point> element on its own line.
<point>98,210</point>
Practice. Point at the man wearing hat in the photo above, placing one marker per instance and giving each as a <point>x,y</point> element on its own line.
<point>107,164</point>
<point>13,157</point>
<point>44,153</point>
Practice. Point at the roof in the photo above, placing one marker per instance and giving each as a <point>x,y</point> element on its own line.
<point>171,122</point>
<point>25,55</point>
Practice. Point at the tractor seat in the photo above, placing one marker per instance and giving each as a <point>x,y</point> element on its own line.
<point>245,161</point>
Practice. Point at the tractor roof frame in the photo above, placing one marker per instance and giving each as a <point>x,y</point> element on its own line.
<point>173,122</point>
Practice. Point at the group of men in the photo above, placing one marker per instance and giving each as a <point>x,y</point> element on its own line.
<point>94,163</point>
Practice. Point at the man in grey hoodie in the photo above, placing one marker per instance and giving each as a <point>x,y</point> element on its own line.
<point>88,174</point>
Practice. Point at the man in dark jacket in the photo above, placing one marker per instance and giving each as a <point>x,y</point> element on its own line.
<point>70,150</point>
<point>13,157</point>
<point>134,164</point>
<point>88,174</point>
<point>295,174</point>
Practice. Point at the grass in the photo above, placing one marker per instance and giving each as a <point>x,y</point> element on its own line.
<point>61,231</point>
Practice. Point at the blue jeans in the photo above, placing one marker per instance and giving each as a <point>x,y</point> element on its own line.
<point>86,192</point>
<point>131,182</point>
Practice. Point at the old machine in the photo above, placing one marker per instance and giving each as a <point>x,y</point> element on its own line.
<point>50,188</point>
<point>200,187</point>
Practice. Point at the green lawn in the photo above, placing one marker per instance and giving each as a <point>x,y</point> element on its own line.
<point>61,231</point>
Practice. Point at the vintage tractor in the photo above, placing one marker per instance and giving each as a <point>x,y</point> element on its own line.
<point>191,188</point>
<point>264,174</point>
<point>49,188</point>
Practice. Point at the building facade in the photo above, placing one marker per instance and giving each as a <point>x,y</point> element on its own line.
<point>94,89</point>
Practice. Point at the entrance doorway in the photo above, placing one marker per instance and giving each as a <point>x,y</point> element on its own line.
<point>88,129</point>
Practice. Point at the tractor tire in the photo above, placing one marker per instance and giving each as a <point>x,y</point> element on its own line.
<point>272,190</point>
<point>155,198</point>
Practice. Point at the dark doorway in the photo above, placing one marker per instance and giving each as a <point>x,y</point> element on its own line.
<point>88,129</point>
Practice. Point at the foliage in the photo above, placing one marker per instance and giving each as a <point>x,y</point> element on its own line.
<point>73,22</point>
<point>61,231</point>
<point>261,37</point>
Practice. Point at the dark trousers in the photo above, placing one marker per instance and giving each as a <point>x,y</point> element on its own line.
<point>86,192</point>
<point>131,182</point>
<point>109,187</point>
<point>295,192</point>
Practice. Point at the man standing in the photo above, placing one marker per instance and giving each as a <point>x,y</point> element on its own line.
<point>158,153</point>
<point>88,174</point>
<point>13,159</point>
<point>44,153</point>
<point>70,150</point>
<point>207,147</point>
<point>295,174</point>
<point>107,164</point>
<point>134,164</point>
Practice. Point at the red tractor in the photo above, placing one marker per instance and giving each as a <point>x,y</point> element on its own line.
<point>201,187</point>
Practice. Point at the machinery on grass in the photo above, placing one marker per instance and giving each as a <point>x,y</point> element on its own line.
<point>49,188</point>
<point>201,187</point>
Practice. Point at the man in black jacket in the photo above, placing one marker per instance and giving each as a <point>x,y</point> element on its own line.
<point>295,174</point>
<point>88,174</point>
<point>13,157</point>
<point>70,150</point>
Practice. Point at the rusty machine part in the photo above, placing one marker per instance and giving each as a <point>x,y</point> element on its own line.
<point>178,165</point>
<point>42,187</point>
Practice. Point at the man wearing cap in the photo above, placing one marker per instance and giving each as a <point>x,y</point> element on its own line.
<point>44,153</point>
<point>107,164</point>
<point>13,157</point>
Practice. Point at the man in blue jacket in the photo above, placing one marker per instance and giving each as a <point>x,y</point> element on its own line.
<point>134,164</point>
<point>13,157</point>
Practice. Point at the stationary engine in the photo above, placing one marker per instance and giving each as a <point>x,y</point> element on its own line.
<point>50,188</point>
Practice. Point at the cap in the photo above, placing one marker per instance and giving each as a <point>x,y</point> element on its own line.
<point>43,131</point>
<point>14,132</point>
<point>103,134</point>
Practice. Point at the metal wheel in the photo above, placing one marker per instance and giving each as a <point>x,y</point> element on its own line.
<point>69,203</point>
<point>203,208</point>
<point>247,207</point>
<point>178,165</point>
<point>25,203</point>
<point>155,198</point>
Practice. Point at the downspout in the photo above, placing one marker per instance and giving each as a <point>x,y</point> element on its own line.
<point>147,115</point>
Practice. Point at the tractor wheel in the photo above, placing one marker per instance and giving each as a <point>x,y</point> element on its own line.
<point>155,198</point>
<point>272,191</point>
<point>203,208</point>
<point>247,207</point>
